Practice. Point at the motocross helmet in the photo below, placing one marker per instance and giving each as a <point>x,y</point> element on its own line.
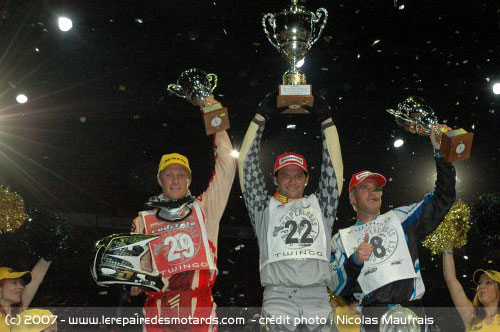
<point>117,261</point>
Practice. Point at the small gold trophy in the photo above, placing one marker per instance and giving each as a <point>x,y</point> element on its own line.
<point>195,85</point>
<point>294,31</point>
<point>416,116</point>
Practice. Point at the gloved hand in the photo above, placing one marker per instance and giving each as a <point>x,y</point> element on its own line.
<point>321,109</point>
<point>267,107</point>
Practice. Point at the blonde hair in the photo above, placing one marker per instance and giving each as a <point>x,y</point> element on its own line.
<point>479,313</point>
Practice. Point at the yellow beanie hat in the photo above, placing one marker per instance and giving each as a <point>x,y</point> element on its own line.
<point>34,320</point>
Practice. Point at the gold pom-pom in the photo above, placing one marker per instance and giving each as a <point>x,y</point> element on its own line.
<point>336,300</point>
<point>12,213</point>
<point>452,232</point>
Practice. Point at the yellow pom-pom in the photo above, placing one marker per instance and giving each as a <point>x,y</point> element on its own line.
<point>452,232</point>
<point>336,300</point>
<point>12,212</point>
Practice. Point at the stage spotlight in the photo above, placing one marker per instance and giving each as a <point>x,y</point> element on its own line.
<point>398,143</point>
<point>21,98</point>
<point>496,88</point>
<point>65,24</point>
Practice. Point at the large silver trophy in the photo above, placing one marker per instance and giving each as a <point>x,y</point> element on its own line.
<point>293,32</point>
<point>417,117</point>
<point>196,86</point>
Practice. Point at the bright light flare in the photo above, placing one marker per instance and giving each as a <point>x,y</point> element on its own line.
<point>496,88</point>
<point>300,63</point>
<point>65,24</point>
<point>21,98</point>
<point>398,143</point>
<point>235,153</point>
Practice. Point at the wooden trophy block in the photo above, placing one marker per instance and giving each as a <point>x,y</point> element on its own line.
<point>295,96</point>
<point>216,118</point>
<point>456,145</point>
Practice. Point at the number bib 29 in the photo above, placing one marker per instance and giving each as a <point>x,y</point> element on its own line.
<point>183,245</point>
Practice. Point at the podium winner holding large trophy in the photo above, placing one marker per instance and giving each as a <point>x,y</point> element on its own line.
<point>294,31</point>
<point>293,230</point>
<point>197,86</point>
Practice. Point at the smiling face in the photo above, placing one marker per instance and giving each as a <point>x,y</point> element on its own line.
<point>291,181</point>
<point>174,181</point>
<point>487,291</point>
<point>11,291</point>
<point>367,197</point>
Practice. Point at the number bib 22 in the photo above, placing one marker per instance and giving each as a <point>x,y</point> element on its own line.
<point>296,231</point>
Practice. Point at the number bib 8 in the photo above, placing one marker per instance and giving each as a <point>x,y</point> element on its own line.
<point>296,231</point>
<point>182,246</point>
<point>390,260</point>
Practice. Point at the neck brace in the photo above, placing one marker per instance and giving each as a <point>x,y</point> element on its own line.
<point>171,210</point>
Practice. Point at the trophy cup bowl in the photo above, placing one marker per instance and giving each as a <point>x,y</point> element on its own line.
<point>195,85</point>
<point>417,117</point>
<point>294,35</point>
<point>293,32</point>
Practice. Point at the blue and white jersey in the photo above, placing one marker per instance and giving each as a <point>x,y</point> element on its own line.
<point>417,220</point>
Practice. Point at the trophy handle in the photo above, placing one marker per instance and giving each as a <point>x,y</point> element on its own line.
<point>176,90</point>
<point>269,18</point>
<point>398,114</point>
<point>320,13</point>
<point>212,78</point>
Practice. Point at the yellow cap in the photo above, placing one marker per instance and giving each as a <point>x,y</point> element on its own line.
<point>40,320</point>
<point>8,273</point>
<point>173,158</point>
<point>492,274</point>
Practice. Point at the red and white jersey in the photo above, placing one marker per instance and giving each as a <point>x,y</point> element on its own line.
<point>208,209</point>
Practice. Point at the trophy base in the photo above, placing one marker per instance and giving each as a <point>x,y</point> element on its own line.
<point>295,96</point>
<point>456,145</point>
<point>215,118</point>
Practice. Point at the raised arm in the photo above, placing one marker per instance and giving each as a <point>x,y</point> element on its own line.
<point>215,197</point>
<point>462,303</point>
<point>332,169</point>
<point>37,274</point>
<point>251,177</point>
<point>426,215</point>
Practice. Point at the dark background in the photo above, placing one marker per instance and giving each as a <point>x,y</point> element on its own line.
<point>99,117</point>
